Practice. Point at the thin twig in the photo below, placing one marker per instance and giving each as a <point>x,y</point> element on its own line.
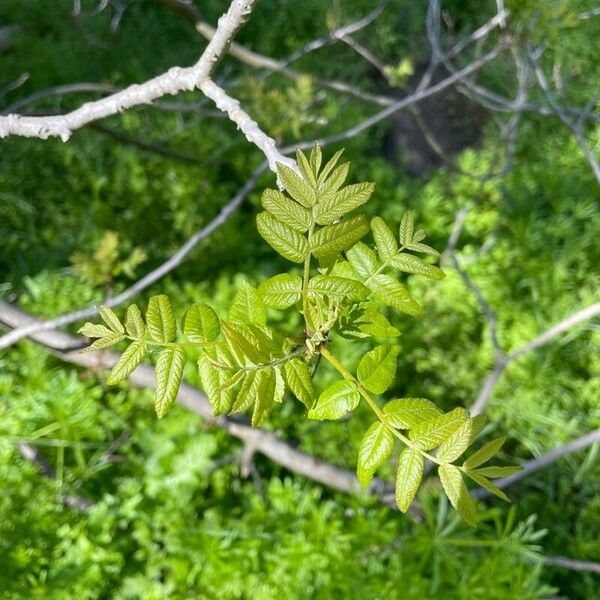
<point>551,333</point>
<point>574,127</point>
<point>585,566</point>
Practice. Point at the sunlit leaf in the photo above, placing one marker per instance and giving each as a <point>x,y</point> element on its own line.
<point>169,371</point>
<point>92,330</point>
<point>201,324</point>
<point>408,477</point>
<point>363,259</point>
<point>282,238</point>
<point>391,292</point>
<point>296,187</point>
<point>134,323</point>
<point>457,493</point>
<point>412,264</point>
<point>406,413</point>
<point>335,401</point>
<point>407,225</point>
<point>160,319</point>
<point>336,287</point>
<point>375,447</point>
<point>331,240</point>
<point>128,361</point>
<point>484,454</point>
<point>265,396</point>
<point>456,443</point>
<point>430,434</point>
<point>297,376</point>
<point>281,291</point>
<point>109,317</point>
<point>285,210</point>
<point>385,241</point>
<point>377,368</point>
<point>247,306</point>
<point>335,205</point>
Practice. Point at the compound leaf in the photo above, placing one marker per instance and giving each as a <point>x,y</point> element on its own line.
<point>265,396</point>
<point>109,317</point>
<point>457,443</point>
<point>336,287</point>
<point>213,383</point>
<point>92,330</point>
<point>484,454</point>
<point>242,345</point>
<point>134,323</point>
<point>496,472</point>
<point>306,168</point>
<point>391,292</point>
<point>407,226</point>
<point>296,187</point>
<point>110,339</point>
<point>412,264</point>
<point>363,259</point>
<point>335,205</point>
<point>486,484</point>
<point>424,248</point>
<point>297,376</point>
<point>315,159</point>
<point>430,434</point>
<point>247,306</point>
<point>329,167</point>
<point>384,238</point>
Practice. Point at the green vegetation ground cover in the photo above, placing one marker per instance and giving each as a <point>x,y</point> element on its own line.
<point>164,523</point>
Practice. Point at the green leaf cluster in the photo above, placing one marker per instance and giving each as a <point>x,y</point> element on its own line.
<point>246,364</point>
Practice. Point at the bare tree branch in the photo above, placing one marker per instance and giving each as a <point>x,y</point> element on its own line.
<point>502,361</point>
<point>572,564</point>
<point>245,123</point>
<point>259,61</point>
<point>100,88</point>
<point>413,98</point>
<point>173,81</point>
<point>35,327</point>
<point>574,127</point>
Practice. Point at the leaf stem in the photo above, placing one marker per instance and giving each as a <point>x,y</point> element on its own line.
<point>384,264</point>
<point>305,279</point>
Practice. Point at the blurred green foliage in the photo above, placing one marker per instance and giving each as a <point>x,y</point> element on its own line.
<point>172,516</point>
